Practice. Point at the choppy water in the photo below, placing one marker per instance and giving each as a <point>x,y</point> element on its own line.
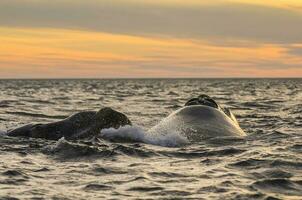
<point>265,165</point>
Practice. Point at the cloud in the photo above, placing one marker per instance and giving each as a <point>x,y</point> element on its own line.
<point>295,51</point>
<point>215,21</point>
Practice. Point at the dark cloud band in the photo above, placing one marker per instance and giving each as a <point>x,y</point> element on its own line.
<point>235,21</point>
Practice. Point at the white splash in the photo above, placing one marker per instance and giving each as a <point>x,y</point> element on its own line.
<point>135,133</point>
<point>2,133</point>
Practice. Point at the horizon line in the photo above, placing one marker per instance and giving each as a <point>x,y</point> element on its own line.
<point>121,78</point>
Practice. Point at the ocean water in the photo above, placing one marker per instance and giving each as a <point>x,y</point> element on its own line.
<point>267,164</point>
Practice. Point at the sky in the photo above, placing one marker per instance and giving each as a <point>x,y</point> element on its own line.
<point>150,38</point>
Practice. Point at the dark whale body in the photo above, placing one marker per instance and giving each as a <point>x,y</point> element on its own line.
<point>81,125</point>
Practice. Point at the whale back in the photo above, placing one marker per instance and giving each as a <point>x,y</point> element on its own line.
<point>197,122</point>
<point>81,125</point>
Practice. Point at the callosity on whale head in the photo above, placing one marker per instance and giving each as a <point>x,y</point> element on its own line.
<point>200,118</point>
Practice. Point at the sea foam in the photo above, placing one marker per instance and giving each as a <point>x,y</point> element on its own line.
<point>2,133</point>
<point>137,134</point>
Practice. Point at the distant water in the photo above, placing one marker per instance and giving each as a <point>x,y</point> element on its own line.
<point>265,165</point>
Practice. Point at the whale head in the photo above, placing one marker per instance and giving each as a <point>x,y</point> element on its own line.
<point>200,118</point>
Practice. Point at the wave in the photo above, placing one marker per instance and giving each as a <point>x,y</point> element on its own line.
<point>37,115</point>
<point>136,134</point>
<point>280,186</point>
<point>65,150</point>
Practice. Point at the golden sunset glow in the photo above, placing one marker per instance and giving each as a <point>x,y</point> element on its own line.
<point>158,43</point>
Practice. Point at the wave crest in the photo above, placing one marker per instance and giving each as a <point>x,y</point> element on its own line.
<point>69,150</point>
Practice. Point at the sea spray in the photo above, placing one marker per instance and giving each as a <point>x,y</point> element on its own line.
<point>137,134</point>
<point>2,133</point>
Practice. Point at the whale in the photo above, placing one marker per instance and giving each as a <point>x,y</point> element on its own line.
<point>199,119</point>
<point>86,124</point>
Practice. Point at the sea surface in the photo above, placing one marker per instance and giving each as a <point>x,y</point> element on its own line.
<point>267,164</point>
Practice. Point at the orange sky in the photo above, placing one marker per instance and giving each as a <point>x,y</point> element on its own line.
<point>101,39</point>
